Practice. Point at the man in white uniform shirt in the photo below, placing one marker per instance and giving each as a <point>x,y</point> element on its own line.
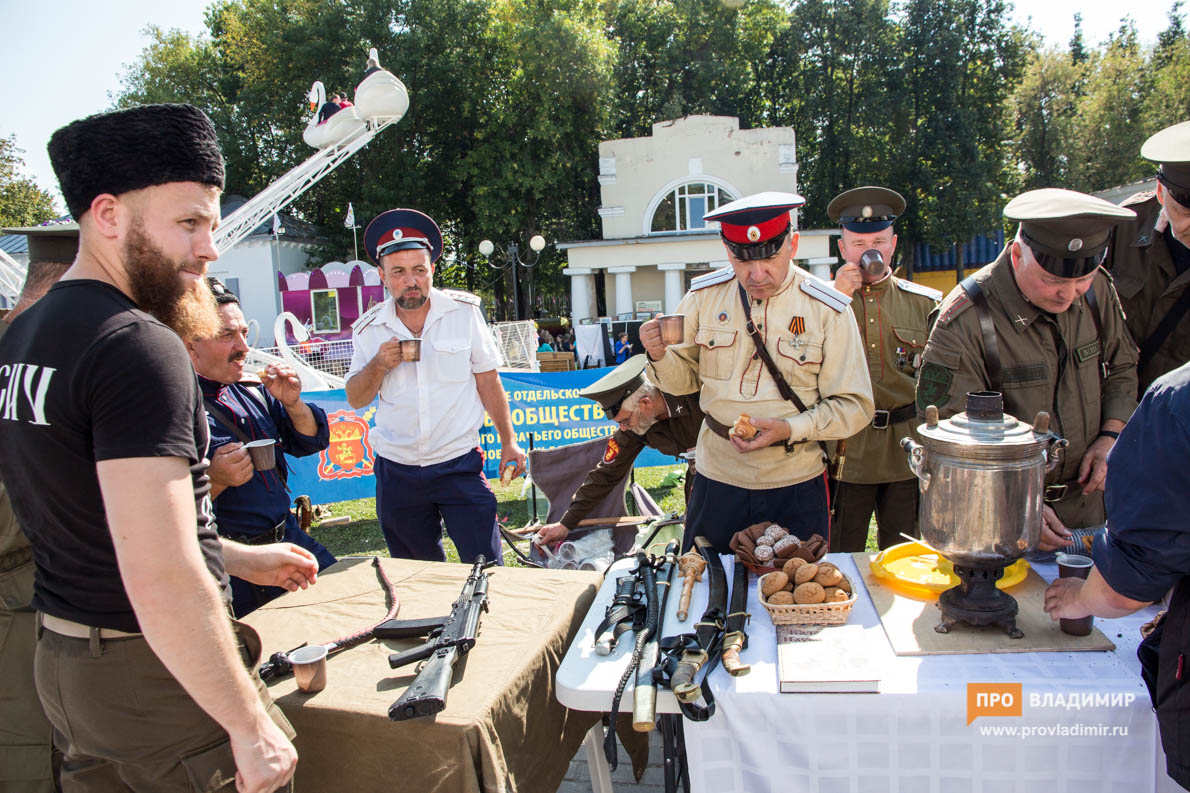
<point>429,467</point>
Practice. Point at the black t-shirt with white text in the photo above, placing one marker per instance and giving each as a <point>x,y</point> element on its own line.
<point>86,376</point>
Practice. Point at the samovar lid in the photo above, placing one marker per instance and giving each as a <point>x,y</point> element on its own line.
<point>984,423</point>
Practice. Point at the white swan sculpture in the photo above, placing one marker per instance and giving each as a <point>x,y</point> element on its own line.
<point>312,379</point>
<point>338,127</point>
<point>381,93</point>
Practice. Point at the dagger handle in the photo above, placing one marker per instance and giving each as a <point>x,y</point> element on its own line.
<point>732,644</point>
<point>682,683</point>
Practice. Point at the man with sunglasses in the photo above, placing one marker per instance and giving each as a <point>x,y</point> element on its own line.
<point>765,339</point>
<point>647,416</point>
<point>1150,261</point>
<point>1042,324</point>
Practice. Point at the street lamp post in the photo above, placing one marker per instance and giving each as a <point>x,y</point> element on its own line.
<point>512,259</point>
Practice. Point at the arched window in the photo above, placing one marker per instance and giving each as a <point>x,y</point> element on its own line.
<point>683,208</point>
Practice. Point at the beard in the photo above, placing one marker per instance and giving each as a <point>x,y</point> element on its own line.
<point>159,289</point>
<point>644,424</point>
<point>412,303</point>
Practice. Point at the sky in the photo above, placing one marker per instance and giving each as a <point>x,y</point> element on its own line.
<point>63,64</point>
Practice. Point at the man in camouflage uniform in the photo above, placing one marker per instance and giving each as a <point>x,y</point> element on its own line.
<point>892,315</point>
<point>1150,261</point>
<point>1055,341</point>
<point>810,338</point>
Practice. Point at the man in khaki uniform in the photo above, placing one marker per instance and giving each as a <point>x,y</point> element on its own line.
<point>811,339</point>
<point>27,760</point>
<point>647,417</point>
<point>892,315</point>
<point>1150,261</point>
<point>1058,344</point>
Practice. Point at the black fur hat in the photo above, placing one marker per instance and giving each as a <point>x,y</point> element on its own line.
<point>131,149</point>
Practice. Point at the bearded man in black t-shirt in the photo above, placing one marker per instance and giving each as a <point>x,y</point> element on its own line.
<point>103,443</point>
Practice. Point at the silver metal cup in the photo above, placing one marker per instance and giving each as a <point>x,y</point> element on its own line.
<point>309,668</point>
<point>263,453</point>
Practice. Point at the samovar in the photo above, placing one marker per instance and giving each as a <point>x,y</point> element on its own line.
<point>982,479</point>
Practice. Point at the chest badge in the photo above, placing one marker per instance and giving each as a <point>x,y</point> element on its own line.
<point>722,316</point>
<point>797,326</point>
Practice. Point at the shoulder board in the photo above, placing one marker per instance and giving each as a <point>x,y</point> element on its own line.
<point>820,290</point>
<point>368,317</point>
<point>720,276</point>
<point>1139,198</point>
<point>463,297</point>
<point>952,308</point>
<point>918,289</point>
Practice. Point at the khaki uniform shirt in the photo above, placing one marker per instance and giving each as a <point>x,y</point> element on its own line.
<point>673,435</point>
<point>815,345</point>
<point>1049,362</point>
<point>893,321</point>
<point>1149,284</point>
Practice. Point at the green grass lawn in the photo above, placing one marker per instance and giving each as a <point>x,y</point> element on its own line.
<point>362,537</point>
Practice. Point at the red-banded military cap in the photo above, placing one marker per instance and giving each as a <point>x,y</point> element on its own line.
<point>754,227</point>
<point>401,230</point>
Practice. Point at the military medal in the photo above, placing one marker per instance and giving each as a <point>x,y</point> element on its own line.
<point>797,326</point>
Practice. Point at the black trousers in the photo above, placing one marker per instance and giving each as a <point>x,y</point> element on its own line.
<point>717,511</point>
<point>895,505</point>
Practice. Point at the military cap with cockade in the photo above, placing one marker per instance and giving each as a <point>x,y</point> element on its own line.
<point>1068,232</point>
<point>1171,149</point>
<point>866,210</point>
<point>755,227</point>
<point>613,388</point>
<point>401,230</point>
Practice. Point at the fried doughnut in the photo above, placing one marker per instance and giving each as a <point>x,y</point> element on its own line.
<point>773,582</point>
<point>786,546</point>
<point>763,553</point>
<point>743,428</point>
<point>764,539</point>
<point>805,573</point>
<point>809,592</point>
<point>775,532</point>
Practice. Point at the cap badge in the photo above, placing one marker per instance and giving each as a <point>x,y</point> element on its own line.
<point>753,234</point>
<point>1074,245</point>
<point>722,316</point>
<point>866,211</point>
<point>398,234</point>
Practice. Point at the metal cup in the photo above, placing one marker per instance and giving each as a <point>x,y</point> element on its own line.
<point>1072,565</point>
<point>411,349</point>
<point>309,668</point>
<point>263,453</point>
<point>673,328</point>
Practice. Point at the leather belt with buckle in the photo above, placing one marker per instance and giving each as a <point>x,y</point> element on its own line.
<point>275,534</point>
<point>883,419</point>
<point>1055,493</point>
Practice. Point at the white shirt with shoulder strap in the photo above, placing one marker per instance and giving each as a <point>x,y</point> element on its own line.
<point>430,410</point>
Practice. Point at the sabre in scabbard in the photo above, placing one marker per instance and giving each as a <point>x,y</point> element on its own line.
<point>735,639</point>
<point>644,695</point>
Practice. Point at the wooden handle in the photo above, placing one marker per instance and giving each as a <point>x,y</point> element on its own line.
<point>732,644</point>
<point>682,683</point>
<point>684,601</point>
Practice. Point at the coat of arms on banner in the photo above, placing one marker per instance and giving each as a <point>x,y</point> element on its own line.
<point>349,453</point>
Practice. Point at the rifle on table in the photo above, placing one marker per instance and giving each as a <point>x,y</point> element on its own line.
<point>449,637</point>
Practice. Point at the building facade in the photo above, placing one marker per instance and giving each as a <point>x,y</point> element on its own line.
<point>654,192</point>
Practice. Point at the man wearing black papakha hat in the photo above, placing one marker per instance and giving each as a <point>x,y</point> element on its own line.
<point>891,313</point>
<point>1055,341</point>
<point>102,447</point>
<point>765,340</point>
<point>1149,258</point>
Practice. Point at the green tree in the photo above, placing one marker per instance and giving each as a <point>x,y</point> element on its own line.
<point>22,202</point>
<point>1043,107</point>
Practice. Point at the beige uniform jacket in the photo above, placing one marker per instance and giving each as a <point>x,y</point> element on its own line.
<point>1149,284</point>
<point>893,322</point>
<point>1049,362</point>
<point>814,342</point>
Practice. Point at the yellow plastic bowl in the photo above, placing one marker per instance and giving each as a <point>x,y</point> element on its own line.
<point>913,569</point>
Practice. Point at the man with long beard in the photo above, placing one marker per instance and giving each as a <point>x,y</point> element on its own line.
<point>102,445</point>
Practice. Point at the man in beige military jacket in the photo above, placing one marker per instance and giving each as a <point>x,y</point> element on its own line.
<point>1150,261</point>
<point>892,314</point>
<point>811,338</point>
<point>1059,345</point>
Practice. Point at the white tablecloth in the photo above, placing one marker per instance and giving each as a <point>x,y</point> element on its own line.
<point>911,737</point>
<point>588,345</point>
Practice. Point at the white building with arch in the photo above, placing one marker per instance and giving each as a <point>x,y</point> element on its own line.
<point>654,192</point>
